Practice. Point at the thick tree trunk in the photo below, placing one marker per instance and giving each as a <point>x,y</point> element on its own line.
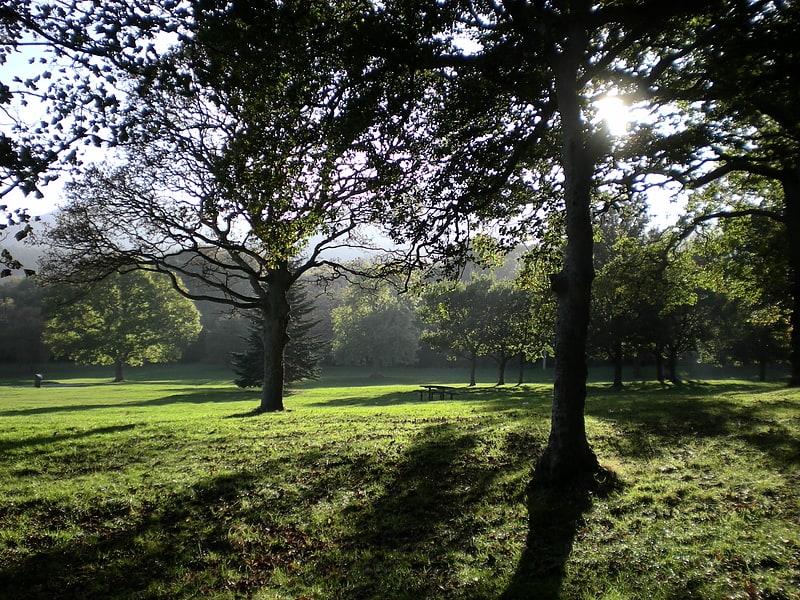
<point>672,366</point>
<point>502,362</point>
<point>521,374</point>
<point>791,193</point>
<point>118,374</point>
<point>276,323</point>
<point>659,365</point>
<point>762,370</point>
<point>472,360</point>
<point>568,454</point>
<point>617,385</point>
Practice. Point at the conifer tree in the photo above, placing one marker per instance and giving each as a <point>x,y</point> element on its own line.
<point>301,357</point>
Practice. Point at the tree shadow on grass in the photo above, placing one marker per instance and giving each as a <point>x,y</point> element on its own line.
<point>220,536</point>
<point>422,519</point>
<point>653,420</point>
<point>406,521</point>
<point>497,398</point>
<point>7,445</point>
<point>555,516</point>
<point>191,397</point>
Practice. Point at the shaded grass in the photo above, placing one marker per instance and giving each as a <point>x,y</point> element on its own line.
<point>172,489</point>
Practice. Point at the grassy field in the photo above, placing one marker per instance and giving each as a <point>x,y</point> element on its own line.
<point>167,486</point>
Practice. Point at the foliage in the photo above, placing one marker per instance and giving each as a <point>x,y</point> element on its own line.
<point>152,488</point>
<point>744,261</point>
<point>375,327</point>
<point>21,323</point>
<point>454,313</point>
<point>249,146</point>
<point>128,319</point>
<point>480,318</point>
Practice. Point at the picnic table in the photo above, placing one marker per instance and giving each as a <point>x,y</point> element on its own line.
<point>436,390</point>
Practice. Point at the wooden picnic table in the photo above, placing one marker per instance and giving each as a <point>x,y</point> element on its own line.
<point>436,390</point>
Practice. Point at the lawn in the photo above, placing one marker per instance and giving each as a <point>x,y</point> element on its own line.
<point>168,486</point>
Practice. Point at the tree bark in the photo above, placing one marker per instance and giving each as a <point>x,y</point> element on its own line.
<point>502,362</point>
<point>568,454</point>
<point>791,193</point>
<point>672,365</point>
<point>118,374</point>
<point>275,314</point>
<point>659,364</point>
<point>472,361</point>
<point>617,385</point>
<point>762,369</point>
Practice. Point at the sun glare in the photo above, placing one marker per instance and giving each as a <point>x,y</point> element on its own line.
<point>615,113</point>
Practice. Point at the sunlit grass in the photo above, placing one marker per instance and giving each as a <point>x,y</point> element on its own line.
<point>172,488</point>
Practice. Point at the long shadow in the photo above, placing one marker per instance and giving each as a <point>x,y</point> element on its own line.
<point>555,515</point>
<point>499,398</point>
<point>178,544</point>
<point>195,397</point>
<point>423,511</point>
<point>6,445</point>
<point>701,414</point>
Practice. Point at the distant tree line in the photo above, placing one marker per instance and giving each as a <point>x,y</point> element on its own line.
<point>719,296</point>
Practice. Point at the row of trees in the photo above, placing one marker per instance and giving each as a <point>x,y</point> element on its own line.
<point>255,134</point>
<point>722,294</point>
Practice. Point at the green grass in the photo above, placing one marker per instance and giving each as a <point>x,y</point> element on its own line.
<point>167,486</point>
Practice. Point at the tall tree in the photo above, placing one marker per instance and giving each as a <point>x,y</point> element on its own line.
<point>624,257</point>
<point>454,313</point>
<point>747,120</point>
<point>252,164</point>
<point>507,329</point>
<point>128,319</point>
<point>744,262</point>
<point>516,121</point>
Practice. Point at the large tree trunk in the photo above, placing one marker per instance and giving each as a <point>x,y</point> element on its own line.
<point>617,385</point>
<point>118,374</point>
<point>502,362</point>
<point>791,193</point>
<point>568,454</point>
<point>762,369</point>
<point>659,356</point>
<point>473,359</point>
<point>672,365</point>
<point>276,323</point>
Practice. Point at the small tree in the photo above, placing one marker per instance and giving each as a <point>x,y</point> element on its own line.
<point>454,313</point>
<point>126,319</point>
<point>301,357</point>
<point>507,329</point>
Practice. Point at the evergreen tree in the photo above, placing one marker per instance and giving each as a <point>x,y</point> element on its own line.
<point>301,356</point>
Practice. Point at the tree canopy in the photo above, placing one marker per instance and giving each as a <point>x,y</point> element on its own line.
<point>248,163</point>
<point>374,327</point>
<point>128,319</point>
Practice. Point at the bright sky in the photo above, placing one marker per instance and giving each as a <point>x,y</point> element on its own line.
<point>610,108</point>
